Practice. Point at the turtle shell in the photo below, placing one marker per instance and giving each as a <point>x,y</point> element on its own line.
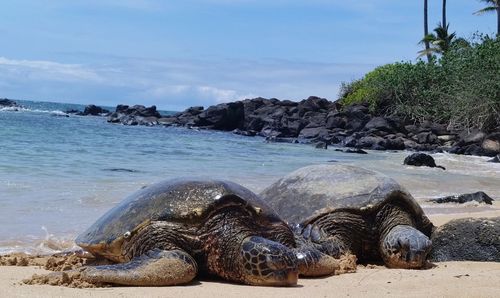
<point>312,191</point>
<point>179,200</point>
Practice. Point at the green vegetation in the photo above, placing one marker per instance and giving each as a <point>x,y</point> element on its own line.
<point>461,87</point>
<point>441,41</point>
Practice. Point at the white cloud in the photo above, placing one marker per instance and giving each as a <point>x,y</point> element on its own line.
<point>173,83</point>
<point>38,69</point>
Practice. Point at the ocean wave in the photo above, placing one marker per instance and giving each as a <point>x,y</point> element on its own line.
<point>28,110</point>
<point>50,244</point>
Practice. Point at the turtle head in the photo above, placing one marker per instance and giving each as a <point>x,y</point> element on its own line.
<point>268,263</point>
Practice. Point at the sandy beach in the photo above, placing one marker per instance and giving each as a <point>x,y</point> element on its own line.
<point>446,279</point>
<point>449,279</point>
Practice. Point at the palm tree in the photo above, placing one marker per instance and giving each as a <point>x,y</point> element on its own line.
<point>426,32</point>
<point>494,5</point>
<point>444,13</point>
<point>440,41</point>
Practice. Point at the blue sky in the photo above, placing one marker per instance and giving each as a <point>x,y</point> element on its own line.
<point>176,54</point>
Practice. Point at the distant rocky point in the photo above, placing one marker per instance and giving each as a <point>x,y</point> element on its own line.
<point>5,102</point>
<point>317,120</point>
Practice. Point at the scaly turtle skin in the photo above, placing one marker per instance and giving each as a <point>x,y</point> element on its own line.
<point>167,233</point>
<point>350,209</point>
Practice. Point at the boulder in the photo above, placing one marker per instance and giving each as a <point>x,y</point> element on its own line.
<point>313,132</point>
<point>446,138</point>
<point>246,133</point>
<point>314,104</point>
<point>394,144</point>
<point>425,138</point>
<point>321,145</point>
<point>333,120</point>
<point>350,150</point>
<point>474,136</point>
<point>467,239</point>
<point>491,143</point>
<point>273,139</point>
<point>435,128</point>
<point>167,121</point>
<point>479,197</point>
<point>370,142</point>
<point>353,118</point>
<point>193,110</point>
<point>379,123</point>
<point>421,159</point>
<point>495,159</point>
<point>471,149</point>
<point>93,110</point>
<point>135,115</point>
<point>227,116</point>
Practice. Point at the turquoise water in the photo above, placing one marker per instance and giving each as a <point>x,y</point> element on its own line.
<point>58,174</point>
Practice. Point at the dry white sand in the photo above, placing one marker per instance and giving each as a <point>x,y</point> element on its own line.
<point>450,279</point>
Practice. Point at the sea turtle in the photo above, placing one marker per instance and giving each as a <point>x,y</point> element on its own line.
<point>343,208</point>
<point>168,232</point>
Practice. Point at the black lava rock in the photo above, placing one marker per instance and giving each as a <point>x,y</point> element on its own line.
<point>495,159</point>
<point>479,196</point>
<point>467,239</point>
<point>421,159</point>
<point>349,150</point>
<point>4,102</point>
<point>94,111</point>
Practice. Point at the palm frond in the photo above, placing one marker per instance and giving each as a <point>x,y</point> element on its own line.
<point>486,10</point>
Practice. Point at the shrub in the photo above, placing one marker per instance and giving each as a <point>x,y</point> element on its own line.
<point>461,89</point>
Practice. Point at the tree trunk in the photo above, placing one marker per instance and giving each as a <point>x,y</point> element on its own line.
<point>444,13</point>
<point>426,32</point>
<point>498,20</point>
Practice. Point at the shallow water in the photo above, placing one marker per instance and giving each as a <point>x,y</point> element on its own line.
<point>59,174</point>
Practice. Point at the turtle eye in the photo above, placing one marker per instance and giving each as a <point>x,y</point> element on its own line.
<point>127,235</point>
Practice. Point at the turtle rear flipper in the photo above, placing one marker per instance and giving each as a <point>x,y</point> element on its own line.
<point>154,268</point>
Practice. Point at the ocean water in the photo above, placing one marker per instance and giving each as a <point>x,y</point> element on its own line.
<point>58,174</point>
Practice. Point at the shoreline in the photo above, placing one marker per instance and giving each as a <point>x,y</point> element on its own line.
<point>314,120</point>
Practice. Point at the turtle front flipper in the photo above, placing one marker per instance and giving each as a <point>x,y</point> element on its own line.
<point>318,254</point>
<point>154,268</point>
<point>312,262</point>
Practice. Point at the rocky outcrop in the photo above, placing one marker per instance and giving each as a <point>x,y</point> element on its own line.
<point>135,115</point>
<point>94,111</point>
<point>468,239</point>
<point>90,110</point>
<point>317,120</point>
<point>479,197</point>
<point>421,160</point>
<point>4,102</point>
